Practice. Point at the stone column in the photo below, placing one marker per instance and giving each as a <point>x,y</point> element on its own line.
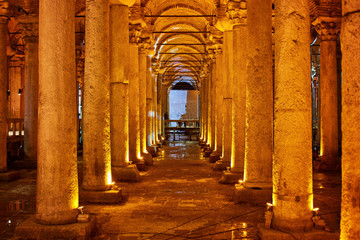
<point>31,88</point>
<point>3,85</point>
<point>149,108</point>
<point>57,179</point>
<point>14,87</point>
<point>134,124</point>
<point>350,42</point>
<point>96,109</point>
<point>119,94</point>
<point>259,97</point>
<point>239,98</point>
<point>227,102</point>
<point>213,105</point>
<point>142,102</point>
<point>219,107</point>
<point>328,29</point>
<point>292,159</point>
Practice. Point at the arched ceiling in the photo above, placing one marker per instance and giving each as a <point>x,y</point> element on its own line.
<point>180,31</point>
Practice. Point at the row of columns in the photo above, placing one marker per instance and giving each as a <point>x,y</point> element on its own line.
<point>273,145</point>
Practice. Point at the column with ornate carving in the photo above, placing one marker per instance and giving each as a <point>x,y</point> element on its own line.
<point>350,43</point>
<point>3,84</point>
<point>122,170</point>
<point>328,30</point>
<point>30,33</point>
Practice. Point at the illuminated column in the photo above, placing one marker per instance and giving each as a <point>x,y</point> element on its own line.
<point>218,106</point>
<point>213,102</point>
<point>350,42</point>
<point>328,29</point>
<point>30,32</point>
<point>292,160</point>
<point>119,94</point>
<point>96,110</point>
<point>155,106</point>
<point>134,124</point>
<point>142,102</point>
<point>57,179</point>
<point>239,98</point>
<point>159,109</point>
<point>205,82</point>
<point>259,97</point>
<point>209,105</point>
<point>14,86</point>
<point>3,85</point>
<point>227,102</point>
<point>149,108</point>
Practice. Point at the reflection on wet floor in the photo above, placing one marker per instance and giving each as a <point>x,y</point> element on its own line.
<point>178,198</point>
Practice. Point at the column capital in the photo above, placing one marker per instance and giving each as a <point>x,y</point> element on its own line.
<point>4,10</point>
<point>30,27</point>
<point>135,32</point>
<point>328,28</point>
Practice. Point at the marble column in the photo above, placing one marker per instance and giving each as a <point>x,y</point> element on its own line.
<point>15,75</point>
<point>328,29</point>
<point>122,170</point>
<point>227,102</point>
<point>96,109</point>
<point>31,88</point>
<point>219,107</point>
<point>292,159</point>
<point>134,125</point>
<point>213,105</point>
<point>259,96</point>
<point>239,99</point>
<point>3,86</point>
<point>149,108</point>
<point>350,42</point>
<point>209,106</point>
<point>57,178</point>
<point>142,102</point>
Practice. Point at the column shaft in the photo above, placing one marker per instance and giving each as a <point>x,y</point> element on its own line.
<point>239,99</point>
<point>57,181</point>
<point>259,96</point>
<point>213,102</point>
<point>219,107</point>
<point>31,90</point>
<point>14,86</point>
<point>142,99</point>
<point>97,154</point>
<point>134,125</point>
<point>149,98</point>
<point>292,160</point>
<point>227,100</point>
<point>3,93</point>
<point>329,147</point>
<point>119,85</point>
<point>350,42</point>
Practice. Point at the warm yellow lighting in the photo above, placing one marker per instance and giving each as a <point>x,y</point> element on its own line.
<point>109,177</point>
<point>315,211</point>
<point>269,206</point>
<point>244,234</point>
<point>80,208</point>
<point>243,225</point>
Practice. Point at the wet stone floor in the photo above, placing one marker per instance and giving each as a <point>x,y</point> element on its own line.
<point>179,197</point>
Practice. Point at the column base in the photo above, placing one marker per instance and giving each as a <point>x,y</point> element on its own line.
<point>220,165</point>
<point>140,164</point>
<point>229,177</point>
<point>208,152</point>
<point>202,144</point>
<point>215,156</point>
<point>147,159</point>
<point>9,176</point>
<point>29,229</point>
<point>152,150</point>
<point>110,196</point>
<point>271,234</point>
<point>255,195</point>
<point>129,173</point>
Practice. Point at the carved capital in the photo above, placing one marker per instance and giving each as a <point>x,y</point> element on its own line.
<point>327,28</point>
<point>4,10</point>
<point>135,33</point>
<point>30,27</point>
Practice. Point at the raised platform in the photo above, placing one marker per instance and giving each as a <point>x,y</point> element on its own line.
<point>229,177</point>
<point>29,229</point>
<point>129,173</point>
<point>272,234</point>
<point>9,176</point>
<point>258,196</point>
<point>110,196</point>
